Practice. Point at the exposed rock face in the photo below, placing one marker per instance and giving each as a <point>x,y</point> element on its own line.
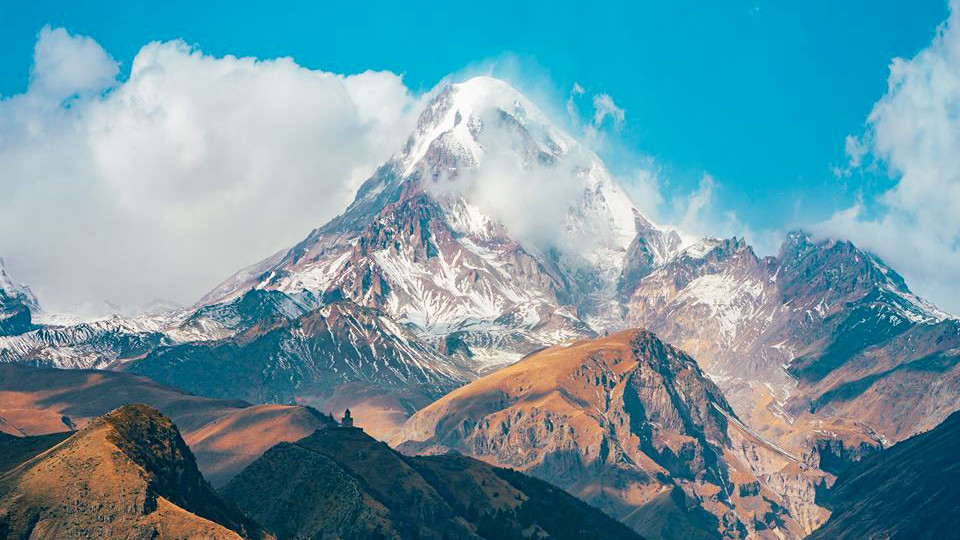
<point>312,359</point>
<point>631,425</point>
<point>824,338</point>
<point>130,476</point>
<point>16,305</point>
<point>341,483</point>
<point>225,436</point>
<point>96,344</point>
<point>911,490</point>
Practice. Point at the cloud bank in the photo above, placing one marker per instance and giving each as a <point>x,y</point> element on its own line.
<point>162,183</point>
<point>914,131</point>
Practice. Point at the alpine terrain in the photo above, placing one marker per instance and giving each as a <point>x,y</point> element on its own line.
<point>492,290</point>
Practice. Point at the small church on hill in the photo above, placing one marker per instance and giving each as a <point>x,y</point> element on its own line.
<point>346,423</point>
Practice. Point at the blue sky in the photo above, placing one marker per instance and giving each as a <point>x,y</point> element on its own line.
<point>759,95</point>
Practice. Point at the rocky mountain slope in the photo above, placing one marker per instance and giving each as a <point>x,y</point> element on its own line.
<point>341,483</point>
<point>632,426</point>
<point>340,355</point>
<point>130,476</point>
<point>821,340</point>
<point>911,490</point>
<point>16,305</point>
<point>432,277</point>
<point>332,355</point>
<point>424,242</point>
<point>224,435</point>
<point>813,342</point>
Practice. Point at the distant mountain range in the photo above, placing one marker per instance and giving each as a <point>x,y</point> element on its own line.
<point>17,305</point>
<point>770,375</point>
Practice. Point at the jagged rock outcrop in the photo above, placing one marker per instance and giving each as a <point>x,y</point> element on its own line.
<point>823,339</point>
<point>631,425</point>
<point>16,305</point>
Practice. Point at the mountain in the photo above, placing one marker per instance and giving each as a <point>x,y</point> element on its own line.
<point>130,476</point>
<point>224,435</point>
<point>341,483</point>
<point>822,341</point>
<point>631,425</point>
<point>338,356</point>
<point>17,305</point>
<point>116,340</point>
<point>492,234</point>
<point>333,355</point>
<point>426,241</point>
<point>96,344</point>
<point>911,490</point>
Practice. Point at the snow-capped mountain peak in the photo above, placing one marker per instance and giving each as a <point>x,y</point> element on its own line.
<point>455,117</point>
<point>490,223</point>
<point>13,289</point>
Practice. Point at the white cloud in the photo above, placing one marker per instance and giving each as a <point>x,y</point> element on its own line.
<point>65,65</point>
<point>604,107</point>
<point>915,131</point>
<point>643,185</point>
<point>855,150</point>
<point>163,184</point>
<point>571,105</point>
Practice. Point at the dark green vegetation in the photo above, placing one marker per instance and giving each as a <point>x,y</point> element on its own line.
<point>908,491</point>
<point>341,483</point>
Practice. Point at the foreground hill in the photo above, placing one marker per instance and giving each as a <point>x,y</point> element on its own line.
<point>630,425</point>
<point>224,435</point>
<point>911,490</point>
<point>126,475</point>
<point>341,483</point>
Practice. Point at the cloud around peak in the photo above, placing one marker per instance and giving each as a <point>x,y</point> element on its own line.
<point>165,182</point>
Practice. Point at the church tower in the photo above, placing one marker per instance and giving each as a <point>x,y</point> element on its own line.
<point>347,419</point>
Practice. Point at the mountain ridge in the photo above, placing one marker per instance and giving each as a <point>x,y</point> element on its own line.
<point>632,425</point>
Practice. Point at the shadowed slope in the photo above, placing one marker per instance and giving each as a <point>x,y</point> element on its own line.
<point>341,483</point>
<point>911,490</point>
